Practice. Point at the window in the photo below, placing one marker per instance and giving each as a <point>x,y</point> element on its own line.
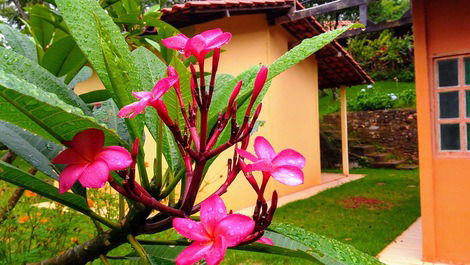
<point>452,96</point>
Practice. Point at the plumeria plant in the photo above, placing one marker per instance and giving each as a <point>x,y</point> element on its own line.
<point>88,141</point>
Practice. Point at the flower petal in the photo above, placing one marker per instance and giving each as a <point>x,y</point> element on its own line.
<point>197,46</point>
<point>95,175</point>
<point>88,142</point>
<point>259,166</point>
<point>289,157</point>
<point>211,33</point>
<point>131,110</point>
<point>289,175</point>
<point>212,211</point>
<point>116,157</point>
<point>190,229</point>
<point>265,240</point>
<point>142,94</point>
<point>69,156</point>
<point>177,42</point>
<point>192,254</point>
<point>216,253</point>
<point>247,155</point>
<point>234,228</point>
<point>263,148</point>
<point>69,176</point>
<point>162,86</point>
<point>219,40</point>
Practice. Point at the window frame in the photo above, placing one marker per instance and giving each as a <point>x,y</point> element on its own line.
<point>462,120</point>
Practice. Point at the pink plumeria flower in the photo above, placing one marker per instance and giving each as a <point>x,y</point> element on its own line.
<point>286,166</point>
<point>216,232</point>
<point>89,161</point>
<point>148,98</point>
<point>199,45</point>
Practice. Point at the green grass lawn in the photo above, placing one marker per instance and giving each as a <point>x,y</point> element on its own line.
<point>328,105</point>
<point>368,213</point>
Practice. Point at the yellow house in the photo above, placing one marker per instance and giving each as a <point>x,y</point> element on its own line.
<point>290,108</point>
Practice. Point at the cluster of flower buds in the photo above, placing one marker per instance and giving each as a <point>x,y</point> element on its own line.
<point>90,163</point>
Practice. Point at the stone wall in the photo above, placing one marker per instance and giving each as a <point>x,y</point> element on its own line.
<point>394,130</point>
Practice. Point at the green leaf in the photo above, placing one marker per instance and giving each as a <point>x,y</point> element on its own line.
<point>25,69</point>
<point>43,113</point>
<point>22,179</point>
<point>95,96</point>
<point>101,41</point>
<point>327,250</point>
<point>170,98</point>
<point>35,150</point>
<point>107,114</point>
<point>222,93</point>
<point>19,43</point>
<point>92,27</point>
<point>150,67</point>
<point>63,57</point>
<point>41,30</point>
<point>306,48</point>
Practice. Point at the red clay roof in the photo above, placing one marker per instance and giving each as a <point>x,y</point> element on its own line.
<point>335,66</point>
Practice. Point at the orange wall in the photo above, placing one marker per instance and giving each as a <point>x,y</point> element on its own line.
<point>290,108</point>
<point>441,27</point>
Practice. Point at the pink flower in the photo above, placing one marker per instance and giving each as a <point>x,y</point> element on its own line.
<point>147,98</point>
<point>199,45</point>
<point>88,161</point>
<point>216,232</point>
<point>286,166</point>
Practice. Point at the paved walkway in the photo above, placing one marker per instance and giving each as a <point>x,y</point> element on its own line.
<point>328,181</point>
<point>406,248</point>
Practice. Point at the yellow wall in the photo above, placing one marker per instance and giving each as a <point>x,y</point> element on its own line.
<point>290,108</point>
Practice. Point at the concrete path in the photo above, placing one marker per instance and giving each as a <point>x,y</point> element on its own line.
<point>328,181</point>
<point>406,248</point>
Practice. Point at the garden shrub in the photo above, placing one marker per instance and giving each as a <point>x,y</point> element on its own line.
<point>386,57</point>
<point>375,99</point>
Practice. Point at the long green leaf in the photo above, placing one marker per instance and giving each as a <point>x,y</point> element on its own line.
<point>25,69</point>
<point>288,241</point>
<point>328,251</point>
<point>22,179</point>
<point>302,51</point>
<point>91,27</point>
<point>41,30</point>
<point>107,114</point>
<point>95,96</point>
<point>43,113</point>
<point>19,42</point>
<point>152,69</point>
<point>63,57</point>
<point>35,150</point>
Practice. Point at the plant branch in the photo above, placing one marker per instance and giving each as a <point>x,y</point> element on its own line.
<point>139,249</point>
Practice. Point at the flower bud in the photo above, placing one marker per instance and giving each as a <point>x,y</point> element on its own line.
<point>260,81</point>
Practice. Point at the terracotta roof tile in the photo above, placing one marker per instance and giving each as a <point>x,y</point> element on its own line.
<point>335,66</point>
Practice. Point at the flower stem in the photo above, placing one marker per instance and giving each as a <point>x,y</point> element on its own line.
<point>140,250</point>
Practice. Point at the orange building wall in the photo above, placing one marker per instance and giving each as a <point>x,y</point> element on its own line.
<point>441,27</point>
<point>290,108</point>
